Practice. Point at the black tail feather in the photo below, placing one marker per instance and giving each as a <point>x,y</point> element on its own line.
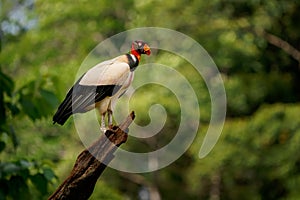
<point>64,111</point>
<point>61,120</point>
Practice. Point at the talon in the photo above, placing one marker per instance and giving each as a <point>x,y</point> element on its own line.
<point>103,129</point>
<point>111,126</point>
<point>109,115</point>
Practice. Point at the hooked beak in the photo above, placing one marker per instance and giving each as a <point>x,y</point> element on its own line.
<point>147,49</point>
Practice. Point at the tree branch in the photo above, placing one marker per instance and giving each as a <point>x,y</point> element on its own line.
<point>280,43</point>
<point>91,163</point>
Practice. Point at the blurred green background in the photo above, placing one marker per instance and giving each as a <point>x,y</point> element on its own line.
<point>255,45</point>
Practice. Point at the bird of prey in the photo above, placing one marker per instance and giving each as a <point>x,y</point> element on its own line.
<point>102,85</point>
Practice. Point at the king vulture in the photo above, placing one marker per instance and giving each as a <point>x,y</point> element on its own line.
<point>101,86</point>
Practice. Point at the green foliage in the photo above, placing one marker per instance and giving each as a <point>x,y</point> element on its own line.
<point>6,88</point>
<point>35,101</point>
<point>15,178</point>
<point>256,155</point>
<point>31,100</point>
<point>257,89</point>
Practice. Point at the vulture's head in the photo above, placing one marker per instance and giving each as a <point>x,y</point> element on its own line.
<point>140,47</point>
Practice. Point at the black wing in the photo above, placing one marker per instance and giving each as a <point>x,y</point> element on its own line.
<point>80,97</point>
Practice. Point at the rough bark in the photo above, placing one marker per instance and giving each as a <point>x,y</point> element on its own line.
<point>90,164</point>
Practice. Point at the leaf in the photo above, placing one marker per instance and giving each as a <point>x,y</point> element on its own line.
<point>10,131</point>
<point>40,182</point>
<point>6,83</point>
<point>45,102</point>
<point>13,135</point>
<point>28,107</point>
<point>9,168</point>
<point>13,108</point>
<point>37,102</point>
<point>49,97</point>
<point>25,163</point>
<point>49,174</point>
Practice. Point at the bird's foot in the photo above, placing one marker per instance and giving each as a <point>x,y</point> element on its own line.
<point>110,126</point>
<point>103,129</point>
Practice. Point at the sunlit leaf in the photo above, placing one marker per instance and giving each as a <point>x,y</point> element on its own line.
<point>25,163</point>
<point>49,174</point>
<point>9,168</point>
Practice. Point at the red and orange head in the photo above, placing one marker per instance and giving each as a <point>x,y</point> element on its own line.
<point>139,47</point>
